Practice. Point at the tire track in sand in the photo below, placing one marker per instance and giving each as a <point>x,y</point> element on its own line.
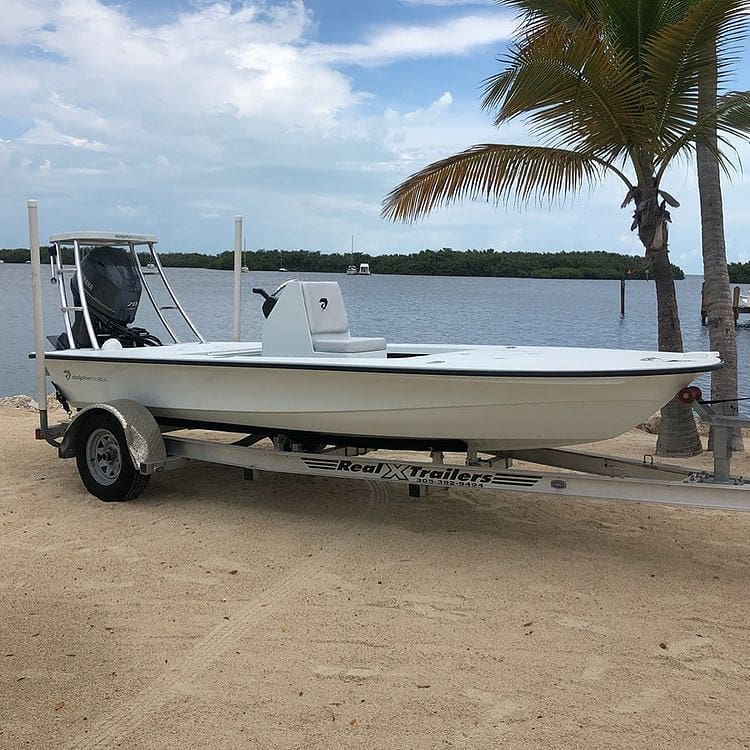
<point>19,536</point>
<point>108,731</point>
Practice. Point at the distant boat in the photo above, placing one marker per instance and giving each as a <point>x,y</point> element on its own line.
<point>364,269</point>
<point>352,269</point>
<point>244,268</point>
<point>150,268</point>
<point>281,261</point>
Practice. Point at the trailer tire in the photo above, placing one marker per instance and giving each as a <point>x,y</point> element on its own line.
<point>103,460</point>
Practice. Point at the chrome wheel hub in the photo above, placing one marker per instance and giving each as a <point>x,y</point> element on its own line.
<point>103,456</point>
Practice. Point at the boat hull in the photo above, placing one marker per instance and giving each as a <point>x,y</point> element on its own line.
<point>484,411</point>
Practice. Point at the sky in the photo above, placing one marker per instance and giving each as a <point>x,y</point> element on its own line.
<point>170,117</point>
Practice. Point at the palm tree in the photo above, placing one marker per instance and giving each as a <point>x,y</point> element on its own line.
<point>608,88</point>
<point>716,294</point>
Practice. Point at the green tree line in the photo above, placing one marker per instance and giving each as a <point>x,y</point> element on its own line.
<point>739,273</point>
<point>445,262</point>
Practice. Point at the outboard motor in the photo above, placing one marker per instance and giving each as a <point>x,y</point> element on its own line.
<point>113,290</point>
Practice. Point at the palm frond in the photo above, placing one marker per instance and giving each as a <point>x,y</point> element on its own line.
<point>496,87</point>
<point>733,113</point>
<point>730,117</point>
<point>494,173</point>
<point>575,91</point>
<point>632,22</point>
<point>676,55</point>
<point>537,14</point>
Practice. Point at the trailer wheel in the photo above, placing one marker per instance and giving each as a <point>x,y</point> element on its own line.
<point>104,462</point>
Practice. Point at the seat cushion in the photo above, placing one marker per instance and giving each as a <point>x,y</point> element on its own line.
<point>348,345</point>
<point>325,307</point>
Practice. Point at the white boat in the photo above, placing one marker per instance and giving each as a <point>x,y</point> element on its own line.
<point>150,269</point>
<point>352,269</point>
<point>310,380</point>
<point>364,269</point>
<point>244,268</point>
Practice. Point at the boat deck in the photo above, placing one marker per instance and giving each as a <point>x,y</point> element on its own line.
<point>423,358</point>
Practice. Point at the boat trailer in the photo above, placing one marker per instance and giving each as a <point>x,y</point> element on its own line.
<point>126,436</point>
<point>587,474</point>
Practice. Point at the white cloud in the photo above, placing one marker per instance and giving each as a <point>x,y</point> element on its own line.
<point>447,3</point>
<point>248,60</point>
<point>128,211</point>
<point>21,18</point>
<point>431,113</point>
<point>16,85</point>
<point>423,135</point>
<point>217,76</point>
<point>45,134</point>
<point>455,36</point>
<point>209,205</point>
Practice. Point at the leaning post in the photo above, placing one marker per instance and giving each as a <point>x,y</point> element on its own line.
<point>36,292</point>
<point>237,278</point>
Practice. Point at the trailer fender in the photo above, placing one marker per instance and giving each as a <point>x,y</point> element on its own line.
<point>144,438</point>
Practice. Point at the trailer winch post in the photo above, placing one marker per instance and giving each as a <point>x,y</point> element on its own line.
<point>722,450</point>
<point>724,426</point>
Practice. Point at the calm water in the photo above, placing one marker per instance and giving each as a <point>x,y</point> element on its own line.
<point>400,308</point>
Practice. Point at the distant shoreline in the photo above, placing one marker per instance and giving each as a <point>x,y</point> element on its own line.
<point>592,265</point>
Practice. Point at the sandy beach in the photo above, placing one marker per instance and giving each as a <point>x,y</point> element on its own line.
<point>318,613</point>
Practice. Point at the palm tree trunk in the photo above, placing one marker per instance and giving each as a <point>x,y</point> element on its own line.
<point>721,330</point>
<point>678,435</point>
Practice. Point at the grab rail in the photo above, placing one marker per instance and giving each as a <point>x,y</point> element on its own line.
<point>66,308</point>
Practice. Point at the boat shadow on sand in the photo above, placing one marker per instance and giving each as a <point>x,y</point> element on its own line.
<point>473,523</point>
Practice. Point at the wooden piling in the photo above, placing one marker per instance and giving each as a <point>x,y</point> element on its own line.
<point>737,307</point>
<point>736,304</point>
<point>622,298</point>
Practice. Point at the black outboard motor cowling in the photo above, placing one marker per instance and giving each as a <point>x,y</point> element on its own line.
<point>113,290</point>
<point>113,287</point>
